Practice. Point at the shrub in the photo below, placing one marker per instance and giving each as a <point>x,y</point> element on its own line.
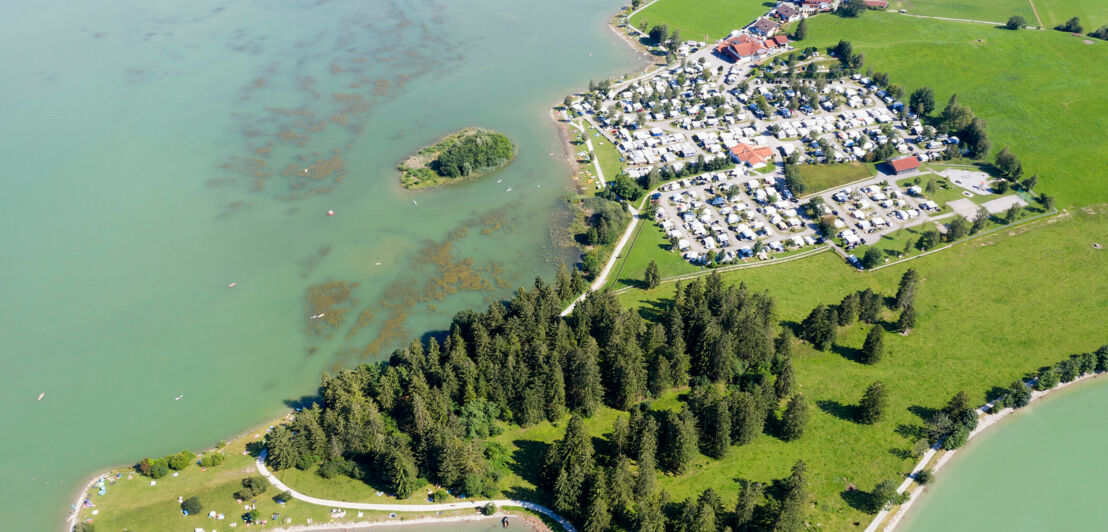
<point>1016,22</point>
<point>871,258</point>
<point>212,459</point>
<point>438,495</point>
<point>489,509</point>
<point>956,438</point>
<point>180,460</point>
<point>923,476</point>
<point>251,516</point>
<point>251,487</point>
<point>283,497</point>
<point>192,505</point>
<point>1048,379</point>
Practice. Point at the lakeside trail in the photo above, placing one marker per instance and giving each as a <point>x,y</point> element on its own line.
<point>535,524</point>
<point>988,420</point>
<point>473,505</point>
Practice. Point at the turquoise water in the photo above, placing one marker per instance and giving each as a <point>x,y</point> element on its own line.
<point>1040,469</point>
<point>154,153</point>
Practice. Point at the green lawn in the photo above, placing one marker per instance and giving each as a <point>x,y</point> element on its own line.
<point>606,153</point>
<point>695,18</point>
<point>819,177</point>
<point>651,244</point>
<point>1033,302</point>
<point>993,11</point>
<point>1039,91</point>
<point>1093,13</point>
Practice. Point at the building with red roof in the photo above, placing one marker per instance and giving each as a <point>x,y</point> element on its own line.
<point>754,157</point>
<point>741,47</point>
<point>776,41</point>
<point>902,165</point>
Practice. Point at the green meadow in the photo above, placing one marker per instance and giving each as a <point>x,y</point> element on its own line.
<point>650,244</point>
<point>1039,91</point>
<point>994,11</point>
<point>1093,13</point>
<point>1034,302</point>
<point>695,18</point>
<point>819,177</point>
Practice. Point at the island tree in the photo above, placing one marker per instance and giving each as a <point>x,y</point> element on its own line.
<point>873,404</point>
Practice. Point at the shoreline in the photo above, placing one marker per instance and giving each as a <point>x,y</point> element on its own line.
<point>86,486</point>
<point>895,519</point>
<point>535,524</point>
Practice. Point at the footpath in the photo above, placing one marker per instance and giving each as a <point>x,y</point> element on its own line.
<point>471,505</point>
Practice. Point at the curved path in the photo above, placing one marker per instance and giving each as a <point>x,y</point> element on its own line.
<point>473,505</point>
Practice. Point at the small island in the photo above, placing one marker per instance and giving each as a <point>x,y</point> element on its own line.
<point>460,156</point>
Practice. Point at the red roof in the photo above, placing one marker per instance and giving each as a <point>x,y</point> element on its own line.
<point>748,154</point>
<point>775,41</point>
<point>882,4</point>
<point>902,164</point>
<point>740,47</point>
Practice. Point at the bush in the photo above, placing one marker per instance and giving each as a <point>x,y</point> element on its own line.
<point>1016,22</point>
<point>283,497</point>
<point>489,509</point>
<point>871,258</point>
<point>1048,379</point>
<point>438,495</point>
<point>212,459</point>
<point>180,460</point>
<point>251,487</point>
<point>923,476</point>
<point>956,438</point>
<point>251,516</point>
<point>1072,25</point>
<point>84,527</point>
<point>192,505</point>
<point>156,468</point>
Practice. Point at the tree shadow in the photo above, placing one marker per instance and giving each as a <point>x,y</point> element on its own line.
<point>911,432</point>
<point>793,326</point>
<point>528,459</point>
<point>903,454</point>
<point>858,499</point>
<point>852,354</point>
<point>839,410</point>
<point>923,412</point>
<point>305,401</point>
<point>656,310</point>
<point>635,283</point>
<point>255,448</point>
<point>995,393</point>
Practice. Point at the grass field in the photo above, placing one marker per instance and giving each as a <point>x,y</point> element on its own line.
<point>651,244</point>
<point>694,18</point>
<point>1034,302</point>
<point>994,11</point>
<point>818,177</point>
<point>1093,13</point>
<point>1039,91</point>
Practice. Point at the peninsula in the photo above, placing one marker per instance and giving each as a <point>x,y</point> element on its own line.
<point>460,156</point>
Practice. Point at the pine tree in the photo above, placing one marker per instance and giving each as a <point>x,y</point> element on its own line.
<point>801,30</point>
<point>555,392</point>
<point>401,471</point>
<point>719,439</point>
<point>906,293</point>
<point>874,346</point>
<point>598,516</point>
<point>907,319</point>
<point>679,443</point>
<point>749,499</point>
<point>783,384</point>
<point>848,309</point>
<point>563,282</point>
<point>873,404</point>
<point>621,487</point>
<point>795,418</point>
<point>652,278</point>
<point>747,420</point>
<point>620,439</point>
<point>794,501</point>
<point>819,328</point>
<point>577,281</point>
<point>568,464</point>
<point>650,517</point>
<point>869,306</point>
<point>584,390</point>
<point>644,480</point>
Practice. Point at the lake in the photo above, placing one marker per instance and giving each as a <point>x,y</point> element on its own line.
<point>1039,469</point>
<point>158,152</point>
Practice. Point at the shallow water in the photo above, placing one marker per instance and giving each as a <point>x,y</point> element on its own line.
<point>1040,469</point>
<point>155,152</point>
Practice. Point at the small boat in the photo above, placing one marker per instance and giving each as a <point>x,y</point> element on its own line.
<point>178,398</point>
<point>317,316</point>
<point>499,180</point>
<point>330,213</point>
<point>232,285</point>
<point>414,202</point>
<point>41,395</point>
<point>305,170</point>
<point>509,189</point>
<point>376,263</point>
